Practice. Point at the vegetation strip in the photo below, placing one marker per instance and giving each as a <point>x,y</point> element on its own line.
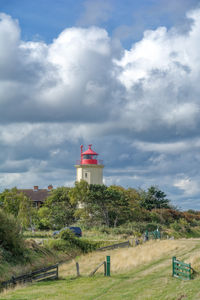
<point>41,274</point>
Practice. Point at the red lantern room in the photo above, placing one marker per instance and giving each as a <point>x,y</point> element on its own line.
<point>89,157</point>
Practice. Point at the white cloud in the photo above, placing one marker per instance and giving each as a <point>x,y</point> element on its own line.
<point>189,186</point>
<point>85,87</point>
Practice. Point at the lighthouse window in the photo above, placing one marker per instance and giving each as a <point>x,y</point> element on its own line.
<point>87,156</point>
<point>86,175</point>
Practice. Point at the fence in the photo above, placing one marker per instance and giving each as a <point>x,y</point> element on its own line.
<point>39,275</point>
<point>106,265</point>
<point>114,246</point>
<point>181,269</point>
<point>153,234</point>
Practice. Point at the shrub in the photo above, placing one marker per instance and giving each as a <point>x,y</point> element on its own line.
<point>11,240</point>
<point>104,229</point>
<point>123,230</point>
<point>58,245</point>
<point>82,244</point>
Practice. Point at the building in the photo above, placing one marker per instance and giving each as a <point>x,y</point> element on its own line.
<point>89,168</point>
<point>38,196</point>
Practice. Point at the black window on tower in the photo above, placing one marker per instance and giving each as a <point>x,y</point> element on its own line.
<point>87,156</point>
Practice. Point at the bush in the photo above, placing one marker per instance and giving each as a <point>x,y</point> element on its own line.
<point>122,230</point>
<point>11,239</point>
<point>58,245</point>
<point>82,244</point>
<point>104,229</point>
<point>181,226</point>
<point>67,235</point>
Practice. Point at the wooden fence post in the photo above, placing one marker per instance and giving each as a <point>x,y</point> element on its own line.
<point>57,272</point>
<point>104,268</point>
<point>77,269</point>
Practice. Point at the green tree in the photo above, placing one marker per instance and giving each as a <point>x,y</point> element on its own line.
<point>119,205</point>
<point>60,209</point>
<point>79,194</point>
<point>11,240</point>
<point>101,205</point>
<point>16,203</point>
<point>44,218</point>
<point>10,201</point>
<point>26,211</point>
<point>153,198</point>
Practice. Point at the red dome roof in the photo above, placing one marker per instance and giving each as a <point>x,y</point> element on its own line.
<point>90,151</point>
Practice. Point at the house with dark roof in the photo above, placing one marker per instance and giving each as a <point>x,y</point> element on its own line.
<point>38,196</point>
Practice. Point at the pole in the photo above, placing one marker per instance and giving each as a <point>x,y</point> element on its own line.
<point>77,269</point>
<point>104,268</point>
<point>173,265</point>
<point>107,265</point>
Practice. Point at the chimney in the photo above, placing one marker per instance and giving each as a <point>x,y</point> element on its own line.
<point>50,187</point>
<point>35,188</point>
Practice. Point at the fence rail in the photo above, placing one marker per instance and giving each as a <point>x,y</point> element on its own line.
<point>38,275</point>
<point>181,269</point>
<point>114,246</point>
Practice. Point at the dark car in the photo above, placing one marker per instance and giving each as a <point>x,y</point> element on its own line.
<point>76,230</point>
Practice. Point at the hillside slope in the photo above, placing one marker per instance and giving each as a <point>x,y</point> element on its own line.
<point>136,273</point>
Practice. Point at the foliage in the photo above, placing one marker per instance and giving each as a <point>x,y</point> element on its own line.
<point>11,240</point>
<point>16,203</point>
<point>79,193</point>
<point>75,242</point>
<point>26,212</point>
<point>181,226</point>
<point>58,245</point>
<point>43,221</point>
<point>58,211</point>
<point>102,205</point>
<point>153,198</point>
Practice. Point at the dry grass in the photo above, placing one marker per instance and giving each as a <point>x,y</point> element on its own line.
<point>143,268</point>
<point>125,259</point>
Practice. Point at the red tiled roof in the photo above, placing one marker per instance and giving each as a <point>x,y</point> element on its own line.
<point>39,195</point>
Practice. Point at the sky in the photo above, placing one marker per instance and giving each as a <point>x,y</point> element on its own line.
<point>120,75</point>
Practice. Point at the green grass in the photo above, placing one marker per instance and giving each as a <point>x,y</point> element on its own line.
<point>37,234</point>
<point>147,281</point>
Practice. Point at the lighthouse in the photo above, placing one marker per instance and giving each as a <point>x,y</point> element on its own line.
<point>89,168</point>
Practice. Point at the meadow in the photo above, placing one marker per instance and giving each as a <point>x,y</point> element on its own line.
<point>142,272</point>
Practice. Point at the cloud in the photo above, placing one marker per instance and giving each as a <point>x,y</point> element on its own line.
<point>190,187</point>
<point>140,107</point>
<point>57,82</point>
<point>96,12</point>
<point>173,148</point>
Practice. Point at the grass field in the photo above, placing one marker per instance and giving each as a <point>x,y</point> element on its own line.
<point>139,273</point>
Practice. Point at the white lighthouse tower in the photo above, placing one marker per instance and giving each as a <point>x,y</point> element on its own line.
<point>89,168</point>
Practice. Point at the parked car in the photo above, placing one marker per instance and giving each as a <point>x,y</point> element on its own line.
<point>76,230</point>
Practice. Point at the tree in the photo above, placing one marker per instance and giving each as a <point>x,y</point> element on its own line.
<point>79,193</point>
<point>11,240</point>
<point>153,198</point>
<point>10,201</point>
<point>44,218</point>
<point>119,205</point>
<point>60,209</point>
<point>16,203</point>
<point>25,213</point>
<point>99,204</point>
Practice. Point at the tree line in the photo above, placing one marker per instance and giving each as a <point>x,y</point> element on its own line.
<point>93,205</point>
